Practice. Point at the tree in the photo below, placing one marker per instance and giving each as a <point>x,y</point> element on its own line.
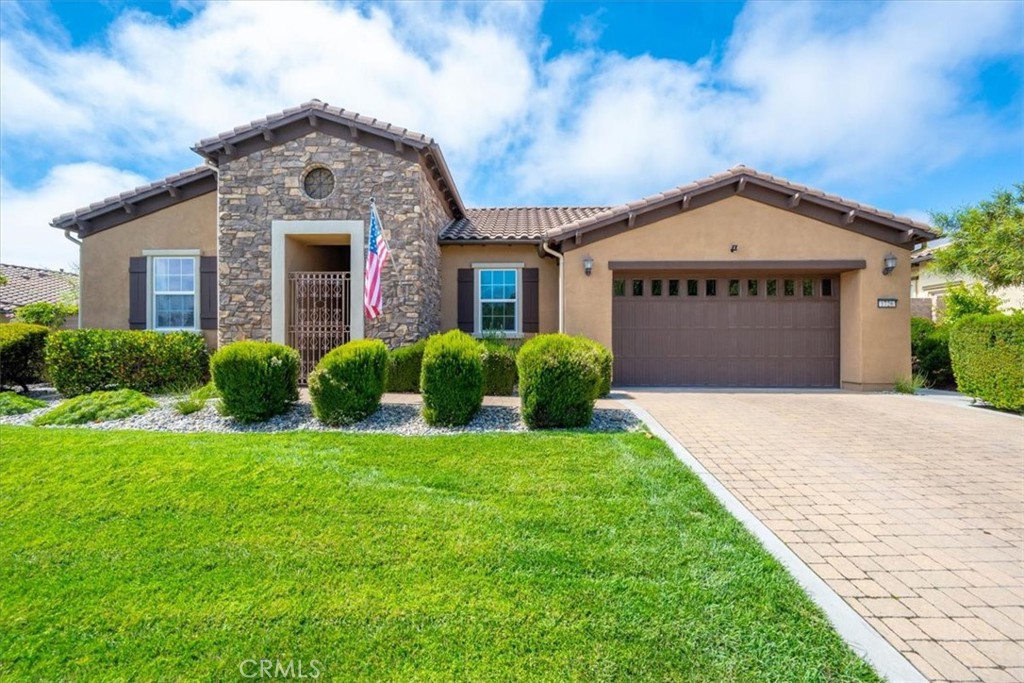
<point>964,300</point>
<point>986,240</point>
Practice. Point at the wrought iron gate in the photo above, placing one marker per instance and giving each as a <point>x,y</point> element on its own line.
<point>321,311</point>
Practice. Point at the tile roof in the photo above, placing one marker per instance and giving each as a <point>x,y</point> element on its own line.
<point>29,285</point>
<point>117,202</point>
<point>733,174</point>
<point>514,223</point>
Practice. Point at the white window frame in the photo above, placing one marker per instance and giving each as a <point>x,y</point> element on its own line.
<point>152,255</point>
<point>478,268</point>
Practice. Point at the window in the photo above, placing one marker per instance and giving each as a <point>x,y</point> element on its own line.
<point>618,288</point>
<point>789,287</point>
<point>673,287</point>
<point>826,287</point>
<point>734,287</point>
<point>638,287</point>
<point>710,287</point>
<point>655,287</point>
<point>499,300</point>
<point>174,293</point>
<point>772,287</point>
<point>751,287</point>
<point>692,288</point>
<point>808,287</point>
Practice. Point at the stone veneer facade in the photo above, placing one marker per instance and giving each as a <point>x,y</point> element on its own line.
<point>266,185</point>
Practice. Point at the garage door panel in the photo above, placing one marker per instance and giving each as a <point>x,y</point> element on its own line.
<point>760,337</point>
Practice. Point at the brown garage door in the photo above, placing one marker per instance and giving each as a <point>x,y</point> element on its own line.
<point>728,330</point>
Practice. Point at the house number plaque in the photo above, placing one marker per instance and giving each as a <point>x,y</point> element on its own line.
<point>887,303</point>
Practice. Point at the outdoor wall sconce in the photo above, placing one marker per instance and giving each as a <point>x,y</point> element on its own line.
<point>588,265</point>
<point>890,263</point>
<point>734,248</point>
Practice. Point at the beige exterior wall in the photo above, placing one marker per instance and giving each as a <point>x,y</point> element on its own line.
<point>104,256</point>
<point>874,343</point>
<point>929,283</point>
<point>455,256</point>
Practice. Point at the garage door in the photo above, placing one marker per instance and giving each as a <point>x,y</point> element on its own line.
<point>729,330</point>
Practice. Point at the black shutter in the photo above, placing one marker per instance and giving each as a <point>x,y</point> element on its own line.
<point>531,300</point>
<point>466,299</point>
<point>208,292</point>
<point>137,293</point>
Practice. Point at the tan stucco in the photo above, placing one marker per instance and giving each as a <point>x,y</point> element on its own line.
<point>874,343</point>
<point>455,256</point>
<point>104,256</point>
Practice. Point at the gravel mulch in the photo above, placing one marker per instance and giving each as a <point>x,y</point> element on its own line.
<point>392,418</point>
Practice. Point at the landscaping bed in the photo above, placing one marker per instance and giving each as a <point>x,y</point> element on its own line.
<point>540,556</point>
<point>403,418</point>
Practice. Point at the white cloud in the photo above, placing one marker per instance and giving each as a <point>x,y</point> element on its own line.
<point>857,95</point>
<point>26,238</point>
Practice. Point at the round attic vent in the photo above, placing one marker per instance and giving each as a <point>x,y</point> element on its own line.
<point>318,183</point>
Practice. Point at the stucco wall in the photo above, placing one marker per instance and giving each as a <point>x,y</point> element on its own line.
<point>267,185</point>
<point>104,256</point>
<point>928,282</point>
<point>455,256</point>
<point>874,343</point>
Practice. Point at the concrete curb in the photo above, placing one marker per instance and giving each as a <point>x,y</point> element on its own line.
<point>852,627</point>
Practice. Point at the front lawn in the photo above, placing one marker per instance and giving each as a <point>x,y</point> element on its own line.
<point>142,556</point>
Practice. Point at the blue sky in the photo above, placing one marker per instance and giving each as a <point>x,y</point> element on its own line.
<point>908,106</point>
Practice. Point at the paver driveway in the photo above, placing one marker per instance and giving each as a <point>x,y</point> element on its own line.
<point>911,509</point>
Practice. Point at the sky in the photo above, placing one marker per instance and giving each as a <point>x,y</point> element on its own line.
<point>912,107</point>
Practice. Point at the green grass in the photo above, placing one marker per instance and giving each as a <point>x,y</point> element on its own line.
<point>534,557</point>
<point>99,406</point>
<point>13,403</point>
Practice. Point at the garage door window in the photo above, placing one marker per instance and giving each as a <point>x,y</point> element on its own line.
<point>618,288</point>
<point>710,287</point>
<point>638,287</point>
<point>734,287</point>
<point>692,288</point>
<point>772,287</point>
<point>673,287</point>
<point>655,287</point>
<point>826,287</point>
<point>808,288</point>
<point>789,287</point>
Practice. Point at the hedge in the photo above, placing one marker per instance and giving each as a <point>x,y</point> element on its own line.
<point>255,380</point>
<point>83,361</point>
<point>22,349</point>
<point>347,383</point>
<point>45,313</point>
<point>499,360</point>
<point>559,378</point>
<point>404,367</point>
<point>988,359</point>
<point>452,379</point>
<point>929,348</point>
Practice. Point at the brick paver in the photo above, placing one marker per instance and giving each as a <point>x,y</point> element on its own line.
<point>911,510</point>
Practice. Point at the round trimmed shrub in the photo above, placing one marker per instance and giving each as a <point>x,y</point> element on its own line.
<point>255,380</point>
<point>452,380</point>
<point>559,377</point>
<point>499,361</point>
<point>605,362</point>
<point>988,358</point>
<point>347,383</point>
<point>21,353</point>
<point>404,367</point>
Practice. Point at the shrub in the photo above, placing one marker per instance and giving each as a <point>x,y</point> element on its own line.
<point>964,300</point>
<point>187,406</point>
<point>559,377</point>
<point>499,361</point>
<point>205,392</point>
<point>21,353</point>
<point>915,383</point>
<point>605,362</point>
<point>256,380</point>
<point>988,359</point>
<point>929,348</point>
<point>98,406</point>
<point>452,380</point>
<point>46,314</point>
<point>347,383</point>
<point>17,404</point>
<point>404,367</point>
<point>81,361</point>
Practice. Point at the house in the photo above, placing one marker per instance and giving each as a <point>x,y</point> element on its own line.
<point>928,287</point>
<point>22,285</point>
<point>739,279</point>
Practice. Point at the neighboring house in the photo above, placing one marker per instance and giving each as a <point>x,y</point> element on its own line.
<point>26,285</point>
<point>928,286</point>
<point>739,279</point>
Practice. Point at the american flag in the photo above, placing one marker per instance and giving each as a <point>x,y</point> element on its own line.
<point>377,254</point>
